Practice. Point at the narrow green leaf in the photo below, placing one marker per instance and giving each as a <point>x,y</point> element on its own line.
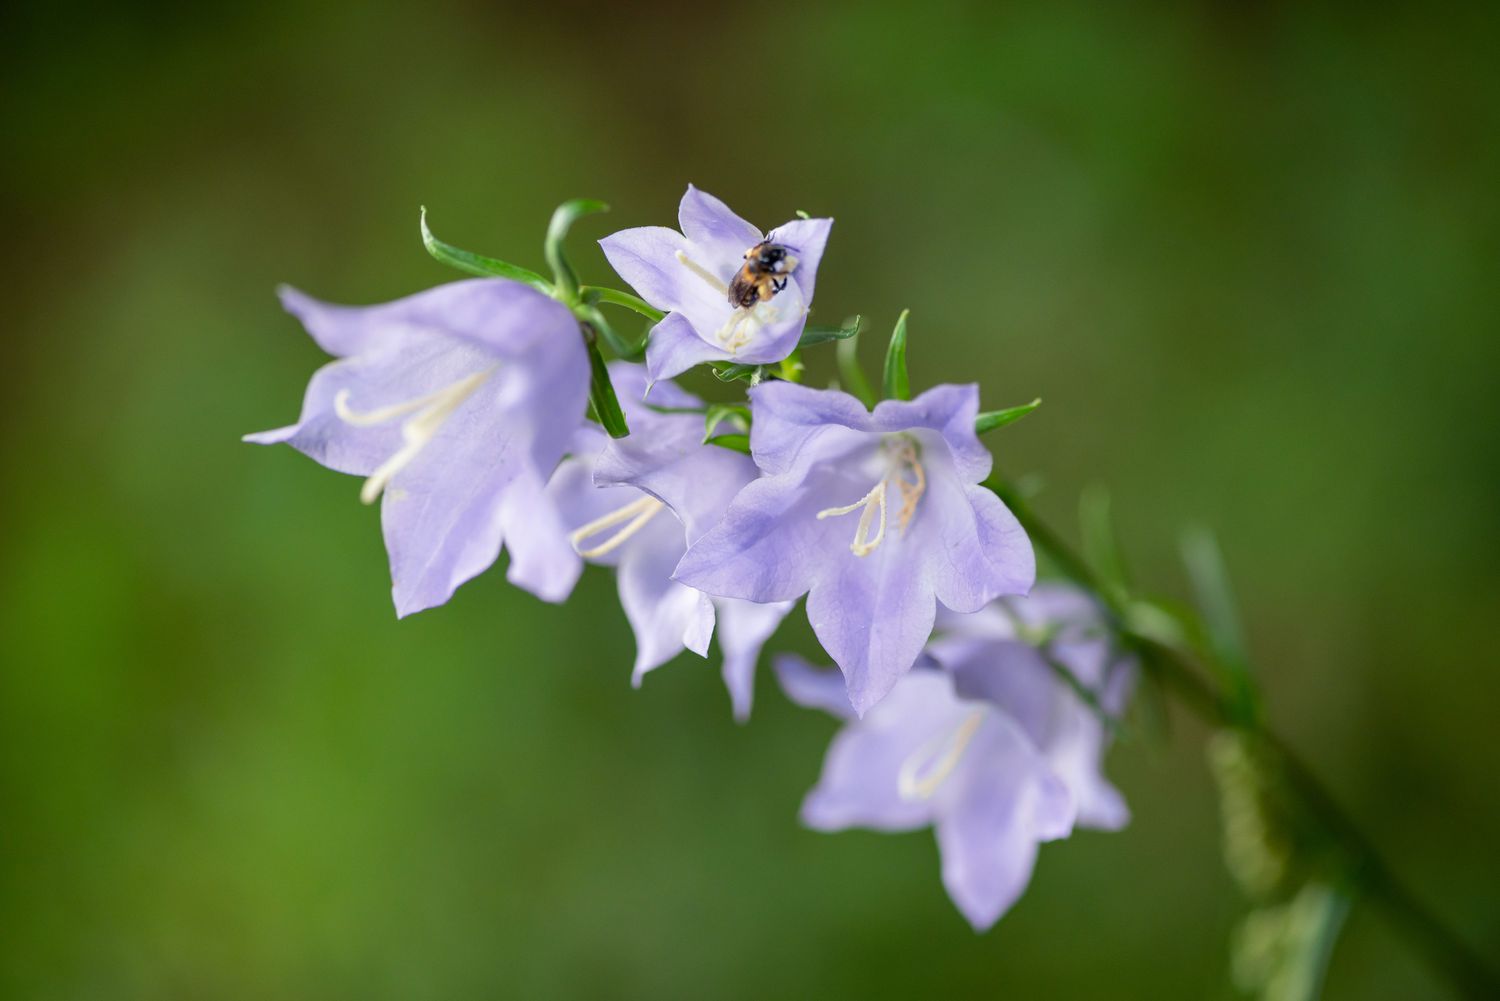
<point>737,414</point>
<point>851,373</point>
<point>602,400</point>
<point>734,442</point>
<point>1215,600</point>
<point>565,278</point>
<point>802,215</point>
<point>477,264</point>
<point>992,419</point>
<point>897,383</point>
<point>812,335</point>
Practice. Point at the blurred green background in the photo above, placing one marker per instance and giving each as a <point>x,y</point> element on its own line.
<point>1246,252</point>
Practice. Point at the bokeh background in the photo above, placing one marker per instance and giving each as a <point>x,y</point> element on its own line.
<point>1246,252</point>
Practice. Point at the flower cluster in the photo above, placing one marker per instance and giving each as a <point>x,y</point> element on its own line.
<point>967,704</point>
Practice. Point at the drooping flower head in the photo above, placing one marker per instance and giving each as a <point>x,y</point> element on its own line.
<point>984,741</point>
<point>691,276</point>
<point>925,756</point>
<point>635,504</point>
<point>876,516</point>
<point>456,405</point>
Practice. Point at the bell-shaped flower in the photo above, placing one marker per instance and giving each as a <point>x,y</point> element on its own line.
<point>875,516</point>
<point>455,404</point>
<point>635,504</point>
<point>927,756</point>
<point>691,275</point>
<point>985,741</point>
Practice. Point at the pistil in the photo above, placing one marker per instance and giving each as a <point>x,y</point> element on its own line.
<point>431,412</point>
<point>901,455</point>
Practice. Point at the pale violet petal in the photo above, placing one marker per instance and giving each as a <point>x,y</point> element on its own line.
<point>744,628</point>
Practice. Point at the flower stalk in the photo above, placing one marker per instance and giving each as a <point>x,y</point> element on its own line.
<point>1179,672</point>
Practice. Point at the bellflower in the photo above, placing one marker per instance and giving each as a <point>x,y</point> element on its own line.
<point>927,756</point>
<point>689,275</point>
<point>635,503</point>
<point>982,741</point>
<point>456,405</point>
<point>922,532</point>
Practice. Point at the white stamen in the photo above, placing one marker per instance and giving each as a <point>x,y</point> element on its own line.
<point>898,459</point>
<point>431,412</point>
<point>708,276</point>
<point>638,512</point>
<point>929,766</point>
<point>863,545</point>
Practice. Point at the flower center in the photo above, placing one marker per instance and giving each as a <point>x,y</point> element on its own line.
<point>634,516</point>
<point>929,766</point>
<point>900,459</point>
<point>428,415</point>
<point>742,323</point>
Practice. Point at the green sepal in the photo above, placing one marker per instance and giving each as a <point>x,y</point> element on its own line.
<point>992,419</point>
<point>737,414</point>
<point>812,335</point>
<point>565,278</point>
<point>477,264</point>
<point>897,382</point>
<point>602,400</point>
<point>733,442</point>
<point>726,371</point>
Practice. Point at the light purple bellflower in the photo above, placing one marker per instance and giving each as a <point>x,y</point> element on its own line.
<point>983,742</point>
<point>456,404</point>
<point>688,275</point>
<point>635,504</point>
<point>876,516</point>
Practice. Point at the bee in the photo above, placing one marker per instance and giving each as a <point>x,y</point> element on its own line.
<point>763,275</point>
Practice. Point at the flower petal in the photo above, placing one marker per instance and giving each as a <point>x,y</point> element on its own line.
<point>663,613</point>
<point>646,257</point>
<point>765,548</point>
<point>873,614</point>
<point>807,237</point>
<point>542,560</point>
<point>709,224</point>
<point>977,550</point>
<point>675,347</point>
<point>744,627</point>
<point>1002,801</point>
<point>499,314</point>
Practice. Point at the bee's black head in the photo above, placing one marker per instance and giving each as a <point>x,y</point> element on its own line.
<point>769,255</point>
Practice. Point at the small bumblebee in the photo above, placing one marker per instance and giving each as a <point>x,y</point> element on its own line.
<point>763,275</point>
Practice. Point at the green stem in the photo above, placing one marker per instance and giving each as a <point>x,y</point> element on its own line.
<point>1465,970</point>
<point>617,298</point>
